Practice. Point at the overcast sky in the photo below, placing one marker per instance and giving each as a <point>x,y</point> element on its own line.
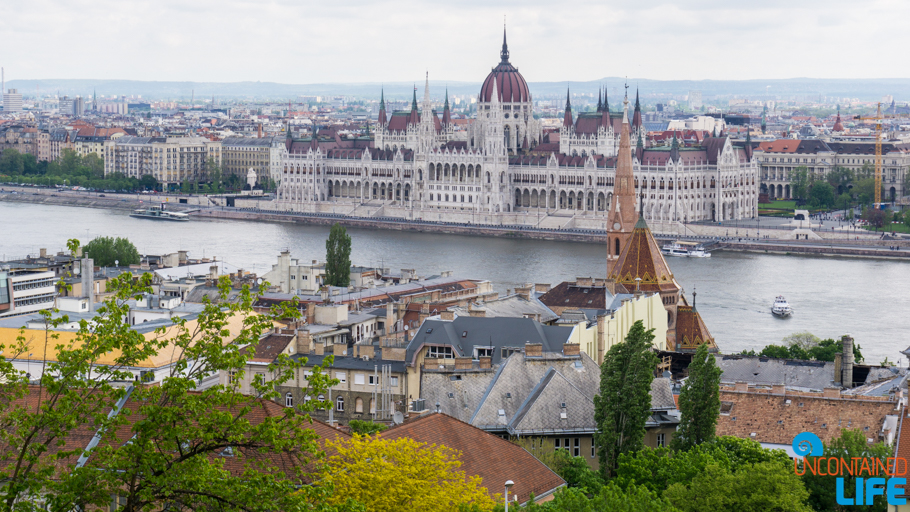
<point>300,41</point>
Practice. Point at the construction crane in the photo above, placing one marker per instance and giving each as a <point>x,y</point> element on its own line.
<point>877,118</point>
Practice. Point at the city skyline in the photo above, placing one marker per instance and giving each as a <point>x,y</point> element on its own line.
<point>285,42</point>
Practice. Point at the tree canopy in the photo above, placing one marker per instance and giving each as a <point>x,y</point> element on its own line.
<point>806,346</point>
<point>401,474</point>
<point>699,401</point>
<point>166,445</point>
<point>338,257</point>
<point>108,251</point>
<point>624,402</point>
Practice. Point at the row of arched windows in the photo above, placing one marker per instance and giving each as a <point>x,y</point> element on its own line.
<point>339,402</point>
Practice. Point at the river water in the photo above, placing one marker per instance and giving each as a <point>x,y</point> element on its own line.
<point>869,299</point>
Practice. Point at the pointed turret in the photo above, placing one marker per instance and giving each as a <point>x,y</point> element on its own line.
<point>600,106</point>
<point>674,149</point>
<point>639,148</point>
<point>504,54</point>
<point>838,125</point>
<point>622,216</point>
<point>567,120</point>
<point>524,145</point>
<point>383,120</point>
<point>446,115</point>
<point>414,117</point>
<point>605,113</point>
<point>314,139</point>
<point>636,117</point>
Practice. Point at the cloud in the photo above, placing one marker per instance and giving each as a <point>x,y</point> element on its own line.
<point>294,41</point>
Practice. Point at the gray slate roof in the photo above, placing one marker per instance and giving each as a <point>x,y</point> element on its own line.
<point>525,395</point>
<point>513,306</point>
<point>466,332</point>
<point>765,371</point>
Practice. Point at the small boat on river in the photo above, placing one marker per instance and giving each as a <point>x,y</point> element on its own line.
<point>159,212</point>
<point>781,308</point>
<point>686,250</point>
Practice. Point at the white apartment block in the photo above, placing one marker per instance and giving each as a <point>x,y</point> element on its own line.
<point>171,160</point>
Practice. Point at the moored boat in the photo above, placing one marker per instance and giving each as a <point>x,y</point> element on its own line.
<point>686,249</point>
<point>159,212</point>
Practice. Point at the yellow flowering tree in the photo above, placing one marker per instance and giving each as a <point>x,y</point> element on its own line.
<point>401,474</point>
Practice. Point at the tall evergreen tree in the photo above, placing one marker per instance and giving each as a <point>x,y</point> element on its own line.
<point>624,402</point>
<point>699,402</point>
<point>338,257</point>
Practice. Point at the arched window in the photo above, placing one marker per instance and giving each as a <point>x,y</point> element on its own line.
<point>321,398</point>
<point>358,404</point>
<point>339,404</point>
<point>289,400</point>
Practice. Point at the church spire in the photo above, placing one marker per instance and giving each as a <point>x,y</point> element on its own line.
<point>414,102</point>
<point>382,116</point>
<point>567,121</point>
<point>600,105</point>
<point>446,115</point>
<point>636,116</point>
<point>504,53</point>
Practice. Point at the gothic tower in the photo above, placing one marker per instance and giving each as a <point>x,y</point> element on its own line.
<point>622,217</point>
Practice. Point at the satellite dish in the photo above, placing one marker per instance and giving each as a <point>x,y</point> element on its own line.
<point>398,418</point>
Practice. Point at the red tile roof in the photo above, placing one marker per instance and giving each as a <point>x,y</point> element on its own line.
<point>641,257</point>
<point>490,457</point>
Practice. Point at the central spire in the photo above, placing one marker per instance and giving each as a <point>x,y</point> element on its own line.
<point>504,54</point>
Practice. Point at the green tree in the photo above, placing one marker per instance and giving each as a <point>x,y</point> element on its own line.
<point>11,163</point>
<point>851,443</point>
<point>874,217</point>
<point>805,340</point>
<point>611,497</point>
<point>821,195</point>
<point>864,190</point>
<point>624,402</point>
<point>699,401</point>
<point>95,165</point>
<point>338,257</point>
<point>776,351</point>
<point>214,174</point>
<point>800,181</point>
<point>148,182</point>
<point>366,427</point>
<point>108,251</point>
<point>169,442</point>
<point>907,218</point>
<point>757,488</point>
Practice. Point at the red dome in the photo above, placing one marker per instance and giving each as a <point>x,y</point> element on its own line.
<point>512,86</point>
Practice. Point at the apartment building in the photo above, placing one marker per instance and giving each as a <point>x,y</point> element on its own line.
<point>171,160</point>
<point>26,290</point>
<point>262,155</point>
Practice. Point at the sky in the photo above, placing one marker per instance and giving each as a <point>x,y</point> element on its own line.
<point>350,41</point>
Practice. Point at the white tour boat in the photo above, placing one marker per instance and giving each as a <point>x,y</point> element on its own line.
<point>686,250</point>
<point>159,212</point>
<point>781,307</point>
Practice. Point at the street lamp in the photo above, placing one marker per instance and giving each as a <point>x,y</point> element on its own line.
<point>509,485</point>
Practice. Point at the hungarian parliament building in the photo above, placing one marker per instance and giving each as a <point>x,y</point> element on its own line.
<point>505,169</point>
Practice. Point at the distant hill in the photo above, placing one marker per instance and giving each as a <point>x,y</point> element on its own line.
<point>801,88</point>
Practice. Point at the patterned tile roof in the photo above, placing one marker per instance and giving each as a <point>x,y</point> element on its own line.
<point>641,257</point>
<point>691,330</point>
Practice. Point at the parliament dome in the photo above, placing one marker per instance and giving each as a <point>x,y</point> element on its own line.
<point>512,86</point>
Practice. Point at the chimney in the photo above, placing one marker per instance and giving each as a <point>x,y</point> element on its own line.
<point>778,389</point>
<point>847,358</point>
<point>43,252</point>
<point>304,341</point>
<point>463,363</point>
<point>533,350</point>
<point>486,363</point>
<point>741,386</point>
<point>424,312</point>
<point>831,393</point>
<point>311,313</point>
<point>524,291</point>
<point>571,349</point>
<point>541,288</point>
<point>430,362</point>
<point>319,349</point>
<point>447,315</point>
<point>389,317</point>
<point>601,338</point>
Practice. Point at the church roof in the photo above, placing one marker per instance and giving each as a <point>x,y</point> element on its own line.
<point>641,257</point>
<point>691,330</point>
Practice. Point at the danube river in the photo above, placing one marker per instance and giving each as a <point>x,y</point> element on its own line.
<point>869,299</point>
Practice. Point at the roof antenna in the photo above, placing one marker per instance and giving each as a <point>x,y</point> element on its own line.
<point>694,293</point>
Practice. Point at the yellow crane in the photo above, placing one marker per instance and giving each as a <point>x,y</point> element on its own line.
<point>878,151</point>
<point>877,118</point>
